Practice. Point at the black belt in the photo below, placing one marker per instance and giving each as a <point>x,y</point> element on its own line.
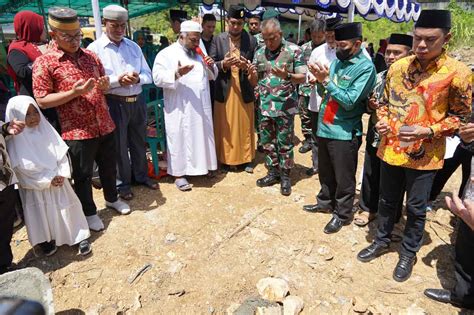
<point>126,99</point>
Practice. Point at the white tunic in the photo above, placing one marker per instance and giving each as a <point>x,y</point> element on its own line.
<point>188,112</point>
<point>38,154</point>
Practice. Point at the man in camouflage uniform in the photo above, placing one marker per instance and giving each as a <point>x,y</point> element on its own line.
<point>317,29</point>
<point>277,68</point>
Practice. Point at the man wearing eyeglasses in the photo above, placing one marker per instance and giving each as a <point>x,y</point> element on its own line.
<point>73,81</point>
<point>128,70</point>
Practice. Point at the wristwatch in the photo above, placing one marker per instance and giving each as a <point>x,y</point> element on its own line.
<point>325,82</point>
<point>288,76</point>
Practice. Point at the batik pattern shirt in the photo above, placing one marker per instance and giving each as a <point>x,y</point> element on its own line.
<point>86,116</point>
<point>345,97</point>
<point>438,97</point>
<point>306,88</point>
<point>278,97</point>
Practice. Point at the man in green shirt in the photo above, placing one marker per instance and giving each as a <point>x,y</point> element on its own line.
<point>277,68</point>
<point>317,31</point>
<point>347,84</point>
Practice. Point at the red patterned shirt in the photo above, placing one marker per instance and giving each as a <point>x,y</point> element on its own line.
<point>86,116</point>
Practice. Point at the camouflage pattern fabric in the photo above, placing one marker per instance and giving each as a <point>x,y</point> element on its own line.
<point>305,117</point>
<point>260,42</point>
<point>277,140</point>
<point>305,88</point>
<point>278,97</point>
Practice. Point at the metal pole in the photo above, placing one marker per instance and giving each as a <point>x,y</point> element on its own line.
<point>41,9</point>
<point>97,19</point>
<point>299,28</point>
<point>350,12</point>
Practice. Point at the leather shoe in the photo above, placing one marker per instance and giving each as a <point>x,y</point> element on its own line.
<point>440,295</point>
<point>285,187</point>
<point>315,208</point>
<point>306,147</point>
<point>311,171</point>
<point>404,268</point>
<point>333,226</point>
<point>269,180</point>
<point>371,252</point>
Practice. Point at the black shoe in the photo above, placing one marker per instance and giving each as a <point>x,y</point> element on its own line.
<point>269,180</point>
<point>306,147</point>
<point>315,208</point>
<point>334,226</point>
<point>404,268</point>
<point>311,171</point>
<point>371,252</point>
<point>440,295</point>
<point>48,248</point>
<point>285,186</point>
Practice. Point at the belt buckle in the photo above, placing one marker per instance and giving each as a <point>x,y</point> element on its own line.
<point>130,99</point>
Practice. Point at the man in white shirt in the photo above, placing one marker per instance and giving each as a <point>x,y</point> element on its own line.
<point>128,70</point>
<point>184,76</point>
<point>324,54</point>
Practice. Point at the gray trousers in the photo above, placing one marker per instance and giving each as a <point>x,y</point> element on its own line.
<point>130,133</point>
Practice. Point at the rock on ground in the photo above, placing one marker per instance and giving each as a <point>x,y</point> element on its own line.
<point>292,305</point>
<point>273,289</point>
<point>28,283</point>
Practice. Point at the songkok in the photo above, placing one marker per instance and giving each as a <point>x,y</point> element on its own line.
<point>256,16</point>
<point>348,31</point>
<point>178,15</point>
<point>401,39</point>
<point>236,12</point>
<point>270,13</point>
<point>332,23</point>
<point>434,19</point>
<point>62,18</point>
<point>115,12</point>
<point>191,26</point>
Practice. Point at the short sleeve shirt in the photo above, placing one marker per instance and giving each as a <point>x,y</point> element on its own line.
<point>278,97</point>
<point>86,116</point>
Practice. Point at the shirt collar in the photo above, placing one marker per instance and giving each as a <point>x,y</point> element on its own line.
<point>356,57</point>
<point>437,63</point>
<point>60,53</point>
<point>105,41</point>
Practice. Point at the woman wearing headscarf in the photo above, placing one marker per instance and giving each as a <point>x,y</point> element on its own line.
<point>22,52</point>
<point>53,212</point>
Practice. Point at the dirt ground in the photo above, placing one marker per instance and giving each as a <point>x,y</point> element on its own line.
<point>199,261</point>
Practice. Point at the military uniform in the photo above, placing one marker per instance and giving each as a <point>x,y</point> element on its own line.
<point>304,92</point>
<point>278,104</point>
<point>258,114</point>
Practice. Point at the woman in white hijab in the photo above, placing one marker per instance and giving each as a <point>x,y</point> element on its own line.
<point>53,213</point>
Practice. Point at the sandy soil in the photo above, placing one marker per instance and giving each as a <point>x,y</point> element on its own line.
<point>195,266</point>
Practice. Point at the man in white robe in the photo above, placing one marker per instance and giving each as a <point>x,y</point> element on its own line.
<point>184,76</point>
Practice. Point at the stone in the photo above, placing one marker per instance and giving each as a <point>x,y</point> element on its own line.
<point>360,306</point>
<point>292,305</point>
<point>28,283</point>
<point>232,308</point>
<point>170,238</point>
<point>268,310</point>
<point>414,310</point>
<point>273,289</point>
<point>175,267</point>
<point>250,305</point>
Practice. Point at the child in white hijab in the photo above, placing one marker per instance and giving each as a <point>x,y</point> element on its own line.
<point>53,212</point>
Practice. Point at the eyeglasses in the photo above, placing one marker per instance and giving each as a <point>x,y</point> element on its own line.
<point>68,38</point>
<point>117,26</point>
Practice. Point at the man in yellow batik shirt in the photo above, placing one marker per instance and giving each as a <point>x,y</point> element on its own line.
<point>427,97</point>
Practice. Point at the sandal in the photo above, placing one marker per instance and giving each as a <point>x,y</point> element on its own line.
<point>151,184</point>
<point>126,195</point>
<point>362,218</point>
<point>182,184</point>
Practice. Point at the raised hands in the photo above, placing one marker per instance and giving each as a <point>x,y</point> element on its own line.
<point>57,181</point>
<point>15,126</point>
<point>183,70</point>
<point>82,87</point>
<point>320,71</point>
<point>128,78</point>
<point>103,83</point>
<point>282,73</point>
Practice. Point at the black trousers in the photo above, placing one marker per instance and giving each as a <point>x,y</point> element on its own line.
<point>463,291</point>
<point>461,157</point>
<point>394,181</point>
<point>7,216</point>
<point>314,143</point>
<point>337,171</point>
<point>83,153</point>
<point>370,189</point>
<point>130,133</point>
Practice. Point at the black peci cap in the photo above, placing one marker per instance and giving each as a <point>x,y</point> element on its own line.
<point>434,19</point>
<point>401,39</point>
<point>178,15</point>
<point>332,23</point>
<point>236,12</point>
<point>348,31</point>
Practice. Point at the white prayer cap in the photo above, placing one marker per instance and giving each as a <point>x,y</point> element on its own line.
<point>191,26</point>
<point>115,12</point>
